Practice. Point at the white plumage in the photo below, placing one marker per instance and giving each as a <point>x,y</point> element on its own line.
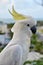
<point>15,53</point>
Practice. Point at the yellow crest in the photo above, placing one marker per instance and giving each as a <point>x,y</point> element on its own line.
<point>16,15</point>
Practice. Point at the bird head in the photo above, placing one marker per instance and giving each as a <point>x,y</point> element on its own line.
<point>23,23</point>
<point>26,25</point>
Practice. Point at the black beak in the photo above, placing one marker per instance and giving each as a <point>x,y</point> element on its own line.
<point>33,29</point>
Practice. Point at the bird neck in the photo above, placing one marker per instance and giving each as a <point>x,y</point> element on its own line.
<point>22,38</point>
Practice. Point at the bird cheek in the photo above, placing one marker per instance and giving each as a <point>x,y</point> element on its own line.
<point>29,33</point>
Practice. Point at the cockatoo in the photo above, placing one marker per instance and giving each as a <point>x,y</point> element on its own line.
<point>15,53</point>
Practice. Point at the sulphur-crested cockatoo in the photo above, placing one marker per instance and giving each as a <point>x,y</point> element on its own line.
<point>15,53</point>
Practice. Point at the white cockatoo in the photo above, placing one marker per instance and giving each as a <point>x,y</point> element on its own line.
<point>15,53</point>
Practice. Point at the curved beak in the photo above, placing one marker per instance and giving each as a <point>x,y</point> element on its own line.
<point>33,29</point>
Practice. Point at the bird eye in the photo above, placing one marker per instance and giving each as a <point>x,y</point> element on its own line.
<point>27,24</point>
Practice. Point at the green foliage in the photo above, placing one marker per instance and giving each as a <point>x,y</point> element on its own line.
<point>10,34</point>
<point>38,62</point>
<point>39,23</point>
<point>34,39</point>
<point>27,62</point>
<point>1,49</point>
<point>10,25</point>
<point>2,33</point>
<point>38,45</point>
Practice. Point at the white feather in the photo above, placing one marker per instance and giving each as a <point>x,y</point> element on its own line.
<point>15,53</point>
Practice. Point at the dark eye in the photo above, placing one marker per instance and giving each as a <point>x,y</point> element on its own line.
<point>27,24</point>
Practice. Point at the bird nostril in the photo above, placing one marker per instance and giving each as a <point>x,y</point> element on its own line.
<point>33,29</point>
